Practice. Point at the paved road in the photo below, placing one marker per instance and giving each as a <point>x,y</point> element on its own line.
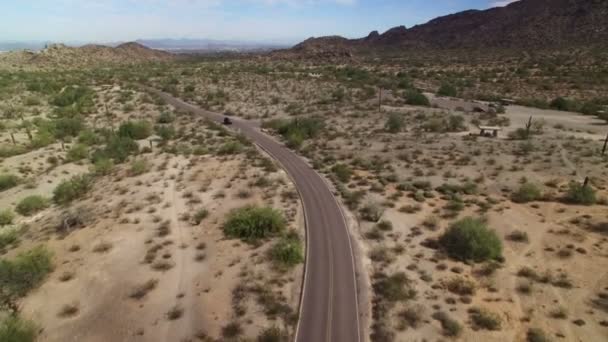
<point>329,308</point>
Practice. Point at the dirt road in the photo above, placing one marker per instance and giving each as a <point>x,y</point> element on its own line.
<point>329,307</point>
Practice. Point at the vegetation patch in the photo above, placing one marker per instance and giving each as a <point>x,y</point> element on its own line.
<point>287,252</point>
<point>72,189</point>
<point>31,205</point>
<point>252,223</point>
<point>470,239</point>
<point>8,181</point>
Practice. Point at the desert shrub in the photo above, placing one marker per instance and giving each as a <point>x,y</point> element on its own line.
<point>519,134</point>
<point>561,103</point>
<point>31,205</point>
<point>118,149</point>
<point>485,319</point>
<point>6,217</point>
<point>15,329</point>
<point>342,172</point>
<point>8,181</point>
<point>103,167</point>
<point>76,96</point>
<point>7,151</point>
<point>395,123</point>
<point>518,236</point>
<point>231,147</point>
<point>470,239</point>
<point>450,326</point>
<point>232,330</point>
<point>89,138</point>
<point>71,189</point>
<point>297,130</point>
<point>24,272</point>
<point>536,335</point>
<point>447,89</point>
<point>77,152</point>
<point>287,252</point>
<point>68,127</point>
<point>8,235</point>
<point>42,138</point>
<point>200,215</point>
<point>165,132</point>
<point>371,212</point>
<point>396,287</point>
<point>580,194</point>
<point>165,118</point>
<point>527,192</point>
<point>135,130</point>
<point>251,223</point>
<point>139,167</point>
<point>416,98</point>
<point>461,286</point>
<point>273,334</point>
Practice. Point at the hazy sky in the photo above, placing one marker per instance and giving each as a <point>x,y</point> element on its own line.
<point>261,20</point>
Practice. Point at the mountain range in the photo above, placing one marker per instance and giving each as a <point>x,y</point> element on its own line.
<point>524,24</point>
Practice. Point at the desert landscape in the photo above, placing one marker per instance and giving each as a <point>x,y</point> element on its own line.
<point>404,186</point>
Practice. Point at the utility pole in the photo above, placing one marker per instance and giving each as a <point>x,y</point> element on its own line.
<point>605,145</point>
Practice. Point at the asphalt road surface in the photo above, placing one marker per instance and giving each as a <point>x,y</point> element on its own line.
<point>329,307</point>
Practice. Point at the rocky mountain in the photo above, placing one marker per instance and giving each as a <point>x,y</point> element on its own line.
<point>524,24</point>
<point>62,56</point>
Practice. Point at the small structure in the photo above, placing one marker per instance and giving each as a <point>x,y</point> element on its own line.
<point>227,121</point>
<point>489,131</point>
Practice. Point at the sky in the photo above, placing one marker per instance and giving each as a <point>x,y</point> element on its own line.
<point>279,21</point>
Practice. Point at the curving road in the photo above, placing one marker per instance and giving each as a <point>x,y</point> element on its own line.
<point>329,309</point>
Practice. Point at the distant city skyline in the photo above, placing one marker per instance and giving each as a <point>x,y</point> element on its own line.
<point>275,21</point>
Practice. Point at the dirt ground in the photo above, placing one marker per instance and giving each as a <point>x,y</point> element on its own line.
<point>137,267</point>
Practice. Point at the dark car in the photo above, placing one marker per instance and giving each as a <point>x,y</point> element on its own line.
<point>227,121</point>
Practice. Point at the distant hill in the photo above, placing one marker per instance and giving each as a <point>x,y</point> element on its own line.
<point>62,56</point>
<point>208,45</point>
<point>525,24</point>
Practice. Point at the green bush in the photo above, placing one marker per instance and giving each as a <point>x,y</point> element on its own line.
<point>561,103</point>
<point>527,192</point>
<point>15,329</point>
<point>103,167</point>
<point>24,272</point>
<point>89,138</point>
<point>537,335</point>
<point>342,172</point>
<point>287,252</point>
<point>394,288</point>
<point>6,217</point>
<point>416,98</point>
<point>139,167</point>
<point>165,118</point>
<point>77,152</point>
<point>118,149</point>
<point>165,132</point>
<point>8,236</point>
<point>451,327</point>
<point>395,123</point>
<point>470,239</point>
<point>231,147</point>
<point>273,334</point>
<point>580,194</point>
<point>72,189</point>
<point>73,96</point>
<point>447,89</point>
<point>296,131</point>
<point>485,319</point>
<point>8,181</point>
<point>31,205</point>
<point>200,215</point>
<point>68,127</point>
<point>7,151</point>
<point>135,130</point>
<point>251,223</point>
